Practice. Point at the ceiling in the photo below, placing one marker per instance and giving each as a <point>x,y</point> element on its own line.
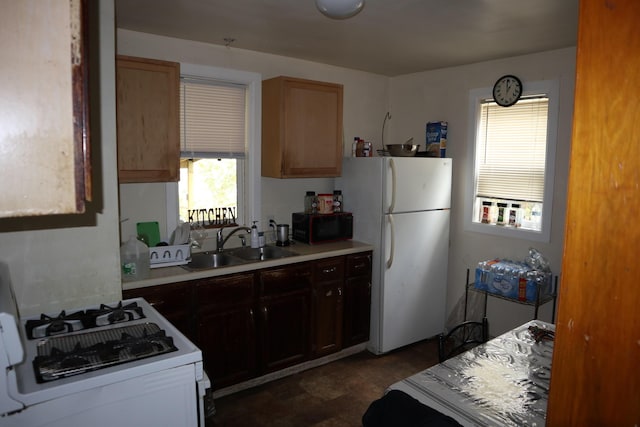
<point>388,37</point>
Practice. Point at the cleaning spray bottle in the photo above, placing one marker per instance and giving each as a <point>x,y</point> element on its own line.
<point>255,239</point>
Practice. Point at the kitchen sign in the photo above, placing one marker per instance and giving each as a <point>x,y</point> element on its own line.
<point>212,217</point>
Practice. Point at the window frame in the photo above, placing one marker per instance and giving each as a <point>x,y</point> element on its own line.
<point>250,165</point>
<point>551,89</point>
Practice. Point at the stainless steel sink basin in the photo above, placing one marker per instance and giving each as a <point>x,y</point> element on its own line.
<point>261,254</point>
<point>208,260</point>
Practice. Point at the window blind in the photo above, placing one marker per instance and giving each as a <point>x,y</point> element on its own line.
<point>212,119</point>
<point>511,150</point>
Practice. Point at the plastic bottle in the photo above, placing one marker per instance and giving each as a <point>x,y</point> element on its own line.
<point>255,239</point>
<point>134,260</point>
<point>354,147</point>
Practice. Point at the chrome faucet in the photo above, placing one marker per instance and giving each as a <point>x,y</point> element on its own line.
<point>220,241</point>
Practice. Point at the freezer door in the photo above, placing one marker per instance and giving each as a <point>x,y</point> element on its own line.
<point>414,277</point>
<point>416,184</point>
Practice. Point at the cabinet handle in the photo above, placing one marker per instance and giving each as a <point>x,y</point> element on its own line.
<point>329,270</point>
<point>329,293</point>
<point>359,266</point>
<point>339,291</point>
<point>265,312</point>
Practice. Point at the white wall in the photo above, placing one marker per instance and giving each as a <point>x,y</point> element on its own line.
<point>73,260</point>
<point>365,100</point>
<point>444,95</point>
<point>412,101</point>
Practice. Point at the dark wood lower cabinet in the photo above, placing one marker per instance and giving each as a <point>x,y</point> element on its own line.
<point>249,324</point>
<point>285,316</point>
<point>357,299</point>
<point>173,301</point>
<point>226,328</point>
<point>327,306</point>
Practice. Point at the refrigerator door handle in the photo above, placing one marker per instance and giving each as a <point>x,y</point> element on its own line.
<point>392,245</point>
<point>392,165</point>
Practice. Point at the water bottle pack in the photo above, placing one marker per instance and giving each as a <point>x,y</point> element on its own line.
<point>512,279</point>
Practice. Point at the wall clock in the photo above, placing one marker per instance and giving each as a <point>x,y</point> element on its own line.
<point>507,90</point>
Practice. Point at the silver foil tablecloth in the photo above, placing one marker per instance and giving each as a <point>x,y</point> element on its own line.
<point>503,382</point>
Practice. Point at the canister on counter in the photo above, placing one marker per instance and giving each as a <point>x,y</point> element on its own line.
<point>337,201</point>
<point>310,203</point>
<point>325,203</point>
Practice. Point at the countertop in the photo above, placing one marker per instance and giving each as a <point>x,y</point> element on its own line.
<point>164,275</point>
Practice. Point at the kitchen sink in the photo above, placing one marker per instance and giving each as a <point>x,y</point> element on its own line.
<point>208,260</point>
<point>261,254</point>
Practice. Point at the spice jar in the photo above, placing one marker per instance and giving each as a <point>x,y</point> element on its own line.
<point>502,214</point>
<point>485,215</point>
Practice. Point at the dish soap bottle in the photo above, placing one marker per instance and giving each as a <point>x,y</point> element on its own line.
<point>134,260</point>
<point>255,239</point>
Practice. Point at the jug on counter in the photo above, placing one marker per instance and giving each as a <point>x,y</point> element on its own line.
<point>134,260</point>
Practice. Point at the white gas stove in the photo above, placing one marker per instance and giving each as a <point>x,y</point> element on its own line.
<point>119,363</point>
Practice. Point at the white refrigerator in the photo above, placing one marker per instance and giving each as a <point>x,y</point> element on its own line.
<point>401,205</point>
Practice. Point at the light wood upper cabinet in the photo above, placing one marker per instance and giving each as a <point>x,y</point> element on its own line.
<point>148,123</point>
<point>44,111</point>
<point>301,128</point>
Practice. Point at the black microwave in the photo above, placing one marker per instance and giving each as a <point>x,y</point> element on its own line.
<point>322,228</point>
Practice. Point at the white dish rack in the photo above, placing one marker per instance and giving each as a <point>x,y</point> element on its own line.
<point>167,256</point>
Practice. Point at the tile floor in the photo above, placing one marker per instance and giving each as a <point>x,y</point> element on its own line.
<point>333,395</point>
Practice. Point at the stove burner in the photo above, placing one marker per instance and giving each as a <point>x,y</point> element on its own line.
<point>107,315</point>
<point>54,325</point>
<point>64,356</point>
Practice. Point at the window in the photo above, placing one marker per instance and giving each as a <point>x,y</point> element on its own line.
<point>220,150</point>
<point>514,150</point>
<point>212,139</point>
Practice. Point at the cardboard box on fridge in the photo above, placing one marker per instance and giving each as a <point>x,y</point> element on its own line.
<point>436,139</point>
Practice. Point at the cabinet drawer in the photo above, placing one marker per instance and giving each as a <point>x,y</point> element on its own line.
<point>329,270</point>
<point>359,265</point>
<point>164,298</point>
<point>225,290</point>
<point>288,279</point>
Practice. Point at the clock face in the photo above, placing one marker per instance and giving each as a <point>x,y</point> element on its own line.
<point>507,90</point>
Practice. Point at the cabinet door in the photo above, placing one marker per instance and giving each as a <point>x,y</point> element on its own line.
<point>357,299</point>
<point>327,306</point>
<point>301,128</point>
<point>44,111</point>
<point>227,328</point>
<point>173,301</point>
<point>285,316</point>
<point>147,107</point>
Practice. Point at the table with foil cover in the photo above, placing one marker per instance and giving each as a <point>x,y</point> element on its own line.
<point>503,382</point>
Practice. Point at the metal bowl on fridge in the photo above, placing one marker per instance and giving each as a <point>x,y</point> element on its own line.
<point>408,149</point>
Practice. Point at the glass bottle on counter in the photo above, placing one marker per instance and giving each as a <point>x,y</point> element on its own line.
<point>310,203</point>
<point>337,201</point>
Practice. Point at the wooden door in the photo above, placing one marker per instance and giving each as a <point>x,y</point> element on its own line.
<point>595,379</point>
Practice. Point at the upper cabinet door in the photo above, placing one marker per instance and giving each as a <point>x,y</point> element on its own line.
<point>148,126</point>
<point>301,128</point>
<point>44,124</point>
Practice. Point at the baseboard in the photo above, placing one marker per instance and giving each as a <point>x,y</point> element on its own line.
<point>288,371</point>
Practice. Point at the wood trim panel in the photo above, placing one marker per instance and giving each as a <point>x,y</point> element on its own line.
<point>595,380</point>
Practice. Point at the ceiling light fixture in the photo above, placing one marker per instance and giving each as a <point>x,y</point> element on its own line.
<point>340,9</point>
